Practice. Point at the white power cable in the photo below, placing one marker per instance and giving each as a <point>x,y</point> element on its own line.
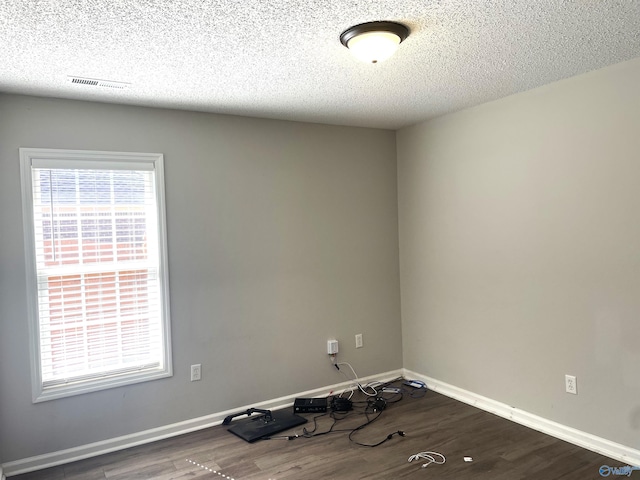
<point>430,456</point>
<point>363,388</point>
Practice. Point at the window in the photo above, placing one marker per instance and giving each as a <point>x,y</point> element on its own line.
<point>97,278</point>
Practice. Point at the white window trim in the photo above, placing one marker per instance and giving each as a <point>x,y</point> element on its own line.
<point>90,159</point>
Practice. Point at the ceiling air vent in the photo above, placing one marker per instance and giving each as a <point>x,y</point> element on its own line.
<point>93,82</point>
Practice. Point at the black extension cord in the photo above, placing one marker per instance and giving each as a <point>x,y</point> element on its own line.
<point>386,439</point>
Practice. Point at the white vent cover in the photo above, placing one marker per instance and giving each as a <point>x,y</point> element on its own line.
<point>94,82</point>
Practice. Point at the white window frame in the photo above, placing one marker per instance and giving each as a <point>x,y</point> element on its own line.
<point>83,159</point>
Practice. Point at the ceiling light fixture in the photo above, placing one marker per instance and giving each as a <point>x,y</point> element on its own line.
<point>374,42</point>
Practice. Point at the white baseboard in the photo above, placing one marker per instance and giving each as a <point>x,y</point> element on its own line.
<point>596,444</point>
<point>600,445</point>
<point>147,436</point>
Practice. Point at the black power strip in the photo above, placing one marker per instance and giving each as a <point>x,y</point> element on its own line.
<point>378,404</point>
<point>339,404</point>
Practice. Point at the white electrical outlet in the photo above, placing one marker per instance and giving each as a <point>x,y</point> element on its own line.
<point>570,384</point>
<point>332,347</point>
<point>359,340</point>
<point>196,372</point>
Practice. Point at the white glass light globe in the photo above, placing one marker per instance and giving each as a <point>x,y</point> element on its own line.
<point>374,47</point>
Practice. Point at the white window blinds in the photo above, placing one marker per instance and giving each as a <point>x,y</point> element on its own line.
<point>100,278</point>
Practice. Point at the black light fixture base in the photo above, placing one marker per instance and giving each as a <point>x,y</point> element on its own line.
<point>398,29</point>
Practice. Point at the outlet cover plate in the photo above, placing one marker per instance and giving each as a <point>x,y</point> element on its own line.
<point>570,384</point>
<point>196,372</point>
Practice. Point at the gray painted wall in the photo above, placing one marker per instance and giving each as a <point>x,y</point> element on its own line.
<point>520,250</point>
<point>281,235</point>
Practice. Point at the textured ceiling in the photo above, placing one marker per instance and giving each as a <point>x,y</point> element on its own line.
<point>283,59</point>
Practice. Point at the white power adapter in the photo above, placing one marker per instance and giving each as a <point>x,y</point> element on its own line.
<point>332,347</point>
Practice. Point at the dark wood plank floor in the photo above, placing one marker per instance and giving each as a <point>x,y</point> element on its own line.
<point>501,450</point>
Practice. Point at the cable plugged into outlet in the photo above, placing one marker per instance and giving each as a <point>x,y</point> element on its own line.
<point>332,347</point>
<point>570,384</point>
